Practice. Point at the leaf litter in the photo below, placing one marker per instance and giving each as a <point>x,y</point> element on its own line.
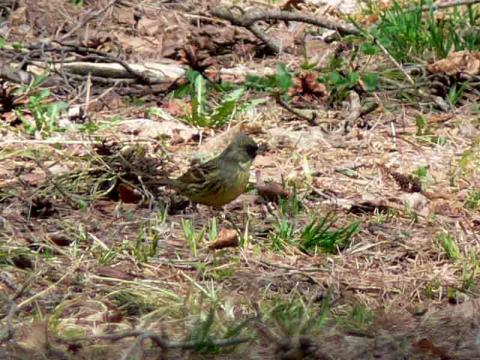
<point>97,249</point>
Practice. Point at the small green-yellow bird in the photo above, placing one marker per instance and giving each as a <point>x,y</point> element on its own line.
<point>220,180</point>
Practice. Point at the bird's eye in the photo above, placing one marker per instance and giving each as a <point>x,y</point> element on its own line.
<point>251,149</point>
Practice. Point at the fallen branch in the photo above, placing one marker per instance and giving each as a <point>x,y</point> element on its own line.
<point>160,341</point>
<point>448,5</point>
<point>248,20</point>
<point>149,73</point>
<point>12,309</point>
<point>392,59</point>
<point>101,67</point>
<point>312,119</point>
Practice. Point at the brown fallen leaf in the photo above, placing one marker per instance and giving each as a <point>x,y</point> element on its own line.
<point>60,239</point>
<point>39,207</point>
<point>22,261</point>
<point>128,194</point>
<point>271,191</point>
<point>124,16</point>
<point>290,5</point>
<point>448,208</point>
<point>115,273</point>
<point>149,27</point>
<point>306,87</point>
<point>226,238</point>
<point>426,346</point>
<point>176,107</point>
<point>407,183</point>
<point>371,206</point>
<point>458,62</point>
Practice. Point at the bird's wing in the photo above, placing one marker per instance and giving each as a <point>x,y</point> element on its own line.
<point>199,173</point>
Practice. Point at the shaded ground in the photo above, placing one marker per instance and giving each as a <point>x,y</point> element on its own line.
<point>86,269</point>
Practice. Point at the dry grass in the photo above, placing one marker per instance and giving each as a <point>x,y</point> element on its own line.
<point>87,276</point>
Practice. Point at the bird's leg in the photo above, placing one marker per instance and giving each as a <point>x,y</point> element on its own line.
<point>229,218</point>
<point>194,206</point>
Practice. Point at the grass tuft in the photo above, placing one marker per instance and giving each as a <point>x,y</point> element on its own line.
<point>320,235</point>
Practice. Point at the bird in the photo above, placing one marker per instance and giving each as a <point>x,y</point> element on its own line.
<point>221,179</point>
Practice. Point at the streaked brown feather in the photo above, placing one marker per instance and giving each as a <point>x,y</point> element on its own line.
<point>220,180</point>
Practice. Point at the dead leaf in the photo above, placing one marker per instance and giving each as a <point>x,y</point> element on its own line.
<point>108,207</point>
<point>439,194</point>
<point>407,183</point>
<point>34,178</point>
<point>39,207</point>
<point>458,62</point>
<point>139,45</point>
<point>10,118</point>
<point>22,261</point>
<point>426,346</point>
<point>317,51</point>
<point>440,118</point>
<point>176,107</point>
<point>128,194</point>
<point>290,5</point>
<point>447,209</point>
<point>417,202</point>
<point>226,238</point>
<point>263,161</point>
<point>115,273</point>
<point>36,338</point>
<point>18,16</point>
<point>60,239</point>
<point>271,191</point>
<point>146,128</point>
<point>124,15</point>
<point>149,27</point>
<point>379,205</point>
<point>307,88</point>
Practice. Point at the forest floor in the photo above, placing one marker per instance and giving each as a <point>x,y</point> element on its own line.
<point>368,250</point>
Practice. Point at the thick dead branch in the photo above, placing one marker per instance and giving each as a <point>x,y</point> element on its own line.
<point>248,20</point>
<point>151,73</point>
<point>95,63</point>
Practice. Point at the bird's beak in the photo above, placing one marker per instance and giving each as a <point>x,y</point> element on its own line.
<point>262,149</point>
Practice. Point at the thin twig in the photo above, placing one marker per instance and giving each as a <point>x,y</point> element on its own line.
<point>73,142</point>
<point>13,307</point>
<point>43,292</point>
<point>393,60</point>
<point>68,197</point>
<point>138,344</point>
<point>87,18</point>
<point>295,112</point>
<point>161,342</point>
<point>249,19</point>
<point>447,5</point>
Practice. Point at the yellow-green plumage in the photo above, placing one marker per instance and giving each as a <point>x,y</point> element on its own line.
<point>222,179</point>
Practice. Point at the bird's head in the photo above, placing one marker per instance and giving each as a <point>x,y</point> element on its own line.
<point>242,149</point>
